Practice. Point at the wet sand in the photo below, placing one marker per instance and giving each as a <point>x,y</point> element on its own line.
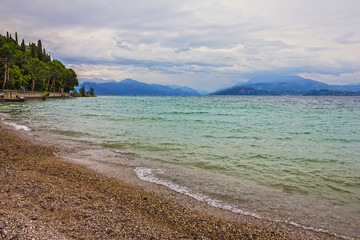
<point>45,195</point>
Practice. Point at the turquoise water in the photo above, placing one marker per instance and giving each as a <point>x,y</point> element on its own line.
<point>293,159</point>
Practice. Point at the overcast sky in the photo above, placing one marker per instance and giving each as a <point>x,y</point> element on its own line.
<point>206,44</point>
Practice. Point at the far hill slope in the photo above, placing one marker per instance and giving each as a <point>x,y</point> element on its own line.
<point>287,85</point>
<point>131,87</point>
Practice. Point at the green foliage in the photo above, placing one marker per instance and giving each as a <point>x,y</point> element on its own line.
<point>92,91</point>
<point>16,79</point>
<point>75,92</point>
<point>29,66</point>
<point>82,90</point>
<point>45,95</point>
<point>39,72</point>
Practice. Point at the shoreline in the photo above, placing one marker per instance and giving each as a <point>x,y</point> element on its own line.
<point>174,215</point>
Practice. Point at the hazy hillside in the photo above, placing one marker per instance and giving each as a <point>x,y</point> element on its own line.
<point>131,87</point>
<point>287,85</point>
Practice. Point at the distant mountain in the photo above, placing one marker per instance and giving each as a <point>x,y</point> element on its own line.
<point>203,92</point>
<point>186,89</point>
<point>287,85</point>
<point>240,90</point>
<point>131,87</point>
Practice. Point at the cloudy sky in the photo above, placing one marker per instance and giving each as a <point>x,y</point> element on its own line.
<point>205,44</point>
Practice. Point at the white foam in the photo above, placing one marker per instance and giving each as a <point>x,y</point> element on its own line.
<point>17,127</point>
<point>3,116</point>
<point>147,175</point>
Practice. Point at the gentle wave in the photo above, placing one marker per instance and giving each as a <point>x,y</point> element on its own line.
<point>185,113</point>
<point>17,126</point>
<point>146,174</point>
<point>70,133</point>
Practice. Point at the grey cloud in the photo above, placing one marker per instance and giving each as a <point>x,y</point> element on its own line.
<point>260,46</point>
<point>185,37</point>
<point>123,45</point>
<point>317,49</point>
<point>151,64</point>
<point>348,38</point>
<point>142,21</point>
<point>182,50</point>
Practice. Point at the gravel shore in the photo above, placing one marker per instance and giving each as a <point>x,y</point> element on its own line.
<point>44,197</point>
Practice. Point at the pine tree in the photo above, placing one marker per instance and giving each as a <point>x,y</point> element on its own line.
<point>82,90</point>
<point>92,91</point>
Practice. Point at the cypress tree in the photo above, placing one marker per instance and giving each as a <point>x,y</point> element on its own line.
<point>16,37</point>
<point>33,50</point>
<point>23,48</point>
<point>39,51</point>
<point>46,56</point>
<point>39,45</point>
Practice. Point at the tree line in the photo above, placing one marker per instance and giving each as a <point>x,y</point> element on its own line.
<point>30,67</point>
<point>83,93</point>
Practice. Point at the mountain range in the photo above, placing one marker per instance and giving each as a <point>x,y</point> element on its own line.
<point>263,85</point>
<point>288,85</point>
<point>133,87</point>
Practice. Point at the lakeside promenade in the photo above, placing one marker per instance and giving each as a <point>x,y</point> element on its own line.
<point>13,96</point>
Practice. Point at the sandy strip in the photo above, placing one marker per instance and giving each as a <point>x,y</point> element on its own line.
<point>42,196</point>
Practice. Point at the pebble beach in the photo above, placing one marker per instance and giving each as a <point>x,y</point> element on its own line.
<point>42,196</point>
